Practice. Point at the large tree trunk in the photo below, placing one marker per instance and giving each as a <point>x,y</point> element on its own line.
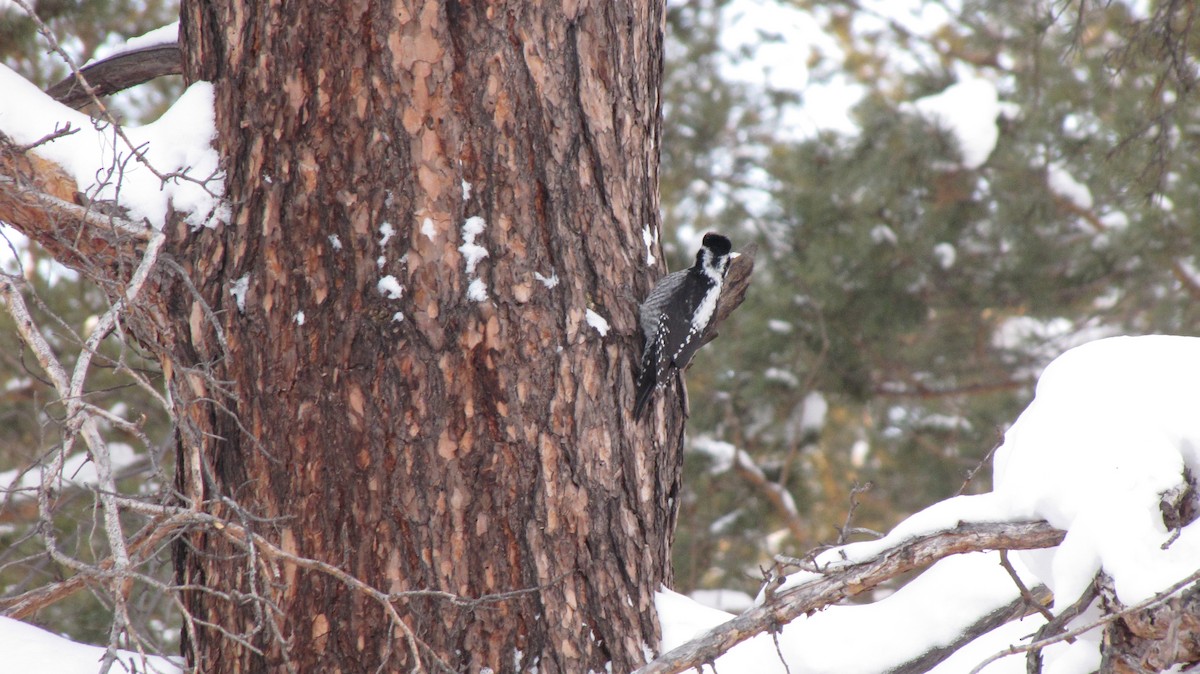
<point>419,435</point>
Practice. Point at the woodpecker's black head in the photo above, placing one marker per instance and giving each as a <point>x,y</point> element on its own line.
<point>712,259</point>
<point>718,244</point>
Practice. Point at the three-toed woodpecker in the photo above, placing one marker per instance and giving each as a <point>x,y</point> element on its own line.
<point>675,316</point>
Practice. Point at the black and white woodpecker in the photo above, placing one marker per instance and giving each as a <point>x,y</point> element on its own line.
<point>675,316</point>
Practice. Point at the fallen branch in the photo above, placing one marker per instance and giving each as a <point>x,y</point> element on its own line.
<point>844,580</point>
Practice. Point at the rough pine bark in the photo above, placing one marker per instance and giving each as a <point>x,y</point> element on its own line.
<point>387,399</point>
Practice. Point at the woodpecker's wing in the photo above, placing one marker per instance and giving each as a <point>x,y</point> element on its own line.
<point>680,334</point>
<point>657,301</point>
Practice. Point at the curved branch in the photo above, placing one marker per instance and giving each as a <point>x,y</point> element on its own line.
<point>119,72</point>
<point>737,282</point>
<point>846,580</point>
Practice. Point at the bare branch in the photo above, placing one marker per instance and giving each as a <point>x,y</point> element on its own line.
<point>60,132</point>
<point>1033,602</point>
<point>1055,624</point>
<point>137,152</point>
<point>41,201</point>
<point>1150,603</point>
<point>777,495</point>
<point>845,530</point>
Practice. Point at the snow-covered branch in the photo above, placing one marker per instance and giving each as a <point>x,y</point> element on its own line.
<point>118,72</point>
<point>843,580</point>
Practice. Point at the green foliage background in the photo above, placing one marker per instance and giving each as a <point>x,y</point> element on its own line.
<point>921,362</point>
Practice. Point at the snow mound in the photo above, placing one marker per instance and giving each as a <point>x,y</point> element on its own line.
<point>968,110</point>
<point>1113,426</point>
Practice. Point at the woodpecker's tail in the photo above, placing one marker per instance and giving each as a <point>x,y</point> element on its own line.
<point>647,379</point>
<point>645,391</point>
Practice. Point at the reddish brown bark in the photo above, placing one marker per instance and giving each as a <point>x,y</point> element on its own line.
<point>430,441</point>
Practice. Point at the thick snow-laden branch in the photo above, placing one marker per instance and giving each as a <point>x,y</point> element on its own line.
<point>146,171</point>
<point>839,581</point>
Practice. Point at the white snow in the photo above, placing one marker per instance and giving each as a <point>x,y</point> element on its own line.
<point>549,281</point>
<point>168,34</point>
<point>1112,427</point>
<point>1045,337</point>
<point>860,451</point>
<point>472,254</point>
<point>781,376</point>
<point>77,469</point>
<point>1062,183</point>
<point>471,251</point>
<point>945,254</point>
<point>477,291</point>
<point>100,162</point>
<point>883,234</point>
<point>428,229</point>
<point>597,321</point>
<point>779,60</point>
<point>299,318</point>
<point>238,290</point>
<point>768,44</point>
<point>779,327</point>
<point>386,232</point>
<point>27,648</point>
<point>815,409</point>
<point>968,110</point>
<point>971,655</point>
<point>390,288</point>
<point>466,190</point>
<point>649,238</point>
<point>929,611</point>
<point>683,618</point>
<point>723,600</point>
<point>721,453</point>
<point>335,242</point>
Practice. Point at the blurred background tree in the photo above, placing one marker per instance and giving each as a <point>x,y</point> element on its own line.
<point>915,272</point>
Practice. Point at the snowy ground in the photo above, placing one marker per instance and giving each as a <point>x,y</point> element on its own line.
<point>25,648</point>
